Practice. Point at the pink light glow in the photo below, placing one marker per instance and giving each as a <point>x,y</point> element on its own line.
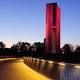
<point>58,29</point>
<point>52,36</point>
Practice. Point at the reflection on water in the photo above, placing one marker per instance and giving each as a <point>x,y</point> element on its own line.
<point>69,72</point>
<point>65,72</point>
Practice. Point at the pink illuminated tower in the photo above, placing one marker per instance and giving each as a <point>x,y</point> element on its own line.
<point>52,40</point>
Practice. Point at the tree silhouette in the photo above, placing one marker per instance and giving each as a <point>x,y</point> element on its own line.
<point>21,48</point>
<point>2,45</point>
<point>24,46</point>
<point>77,50</point>
<point>67,48</point>
<point>39,49</point>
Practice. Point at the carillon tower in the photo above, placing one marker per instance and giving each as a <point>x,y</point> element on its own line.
<point>52,40</point>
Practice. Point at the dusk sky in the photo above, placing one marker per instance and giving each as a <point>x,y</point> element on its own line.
<point>24,20</point>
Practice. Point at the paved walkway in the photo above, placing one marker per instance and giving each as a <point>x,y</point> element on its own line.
<point>17,70</point>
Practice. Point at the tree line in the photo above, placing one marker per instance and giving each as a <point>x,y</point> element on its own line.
<point>37,49</point>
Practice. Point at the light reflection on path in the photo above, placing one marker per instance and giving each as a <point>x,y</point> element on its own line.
<point>17,70</point>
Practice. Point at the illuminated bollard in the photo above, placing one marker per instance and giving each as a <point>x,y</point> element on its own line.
<point>43,62</point>
<point>33,65</point>
<point>37,63</point>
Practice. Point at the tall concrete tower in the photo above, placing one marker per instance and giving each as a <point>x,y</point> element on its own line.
<point>52,40</point>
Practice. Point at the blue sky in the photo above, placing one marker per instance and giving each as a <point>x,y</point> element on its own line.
<point>24,20</point>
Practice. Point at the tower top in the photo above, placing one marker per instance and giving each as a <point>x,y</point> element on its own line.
<point>52,3</point>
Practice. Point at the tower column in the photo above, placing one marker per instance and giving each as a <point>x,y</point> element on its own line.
<point>52,40</point>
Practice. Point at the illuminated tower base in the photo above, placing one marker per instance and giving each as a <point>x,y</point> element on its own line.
<point>52,40</point>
